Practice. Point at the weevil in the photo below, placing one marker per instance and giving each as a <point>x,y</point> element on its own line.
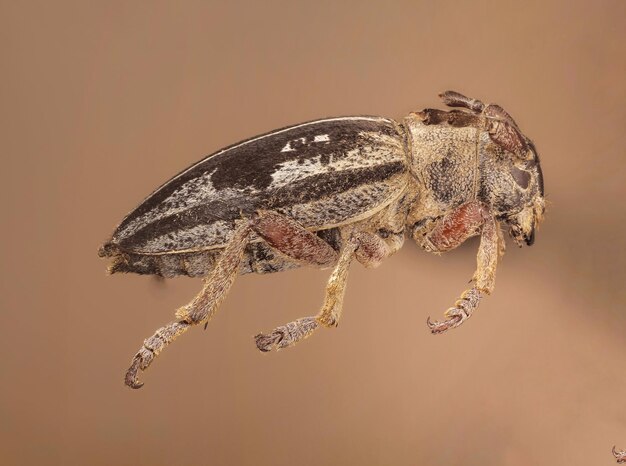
<point>329,191</point>
<point>620,455</point>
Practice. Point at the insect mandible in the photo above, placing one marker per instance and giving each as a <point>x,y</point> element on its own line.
<point>329,191</point>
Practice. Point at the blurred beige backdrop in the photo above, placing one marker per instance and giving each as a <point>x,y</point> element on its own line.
<point>103,101</point>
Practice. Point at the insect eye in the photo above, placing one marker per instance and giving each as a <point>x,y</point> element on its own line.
<point>521,177</point>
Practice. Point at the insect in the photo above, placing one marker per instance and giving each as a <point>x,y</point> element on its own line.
<point>620,455</point>
<point>329,191</point>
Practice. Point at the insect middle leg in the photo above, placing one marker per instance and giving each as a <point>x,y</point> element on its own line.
<point>328,316</point>
<point>369,249</point>
<point>199,310</point>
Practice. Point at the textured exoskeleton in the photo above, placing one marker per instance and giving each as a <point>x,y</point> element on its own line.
<point>329,191</point>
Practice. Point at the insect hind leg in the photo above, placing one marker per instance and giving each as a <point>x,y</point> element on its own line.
<point>199,310</point>
<point>151,349</point>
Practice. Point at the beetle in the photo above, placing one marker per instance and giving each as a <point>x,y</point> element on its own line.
<point>328,191</point>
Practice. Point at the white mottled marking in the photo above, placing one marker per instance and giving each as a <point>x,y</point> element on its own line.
<point>287,148</point>
<point>379,150</point>
<point>293,170</point>
<point>352,118</point>
<point>321,138</point>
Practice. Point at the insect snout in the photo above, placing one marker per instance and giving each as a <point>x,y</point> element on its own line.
<point>530,239</point>
<point>522,234</point>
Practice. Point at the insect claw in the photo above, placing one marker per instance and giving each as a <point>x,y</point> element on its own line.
<point>430,324</point>
<point>288,334</point>
<point>267,343</point>
<point>131,375</point>
<point>436,326</point>
<point>440,327</point>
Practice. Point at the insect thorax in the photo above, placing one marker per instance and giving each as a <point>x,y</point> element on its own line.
<point>444,160</point>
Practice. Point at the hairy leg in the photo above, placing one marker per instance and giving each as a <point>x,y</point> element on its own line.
<point>383,235</point>
<point>293,240</point>
<point>328,316</point>
<point>376,239</point>
<point>483,280</point>
<point>372,249</point>
<point>199,310</point>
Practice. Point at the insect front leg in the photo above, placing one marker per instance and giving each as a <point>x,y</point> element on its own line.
<point>483,281</point>
<point>199,310</point>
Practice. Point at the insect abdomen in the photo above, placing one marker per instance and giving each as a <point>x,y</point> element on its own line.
<point>258,258</point>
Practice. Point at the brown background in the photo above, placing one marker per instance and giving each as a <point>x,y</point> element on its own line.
<point>103,102</point>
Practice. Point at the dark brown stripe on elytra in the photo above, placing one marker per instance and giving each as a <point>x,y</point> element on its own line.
<point>308,190</point>
<point>251,163</point>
